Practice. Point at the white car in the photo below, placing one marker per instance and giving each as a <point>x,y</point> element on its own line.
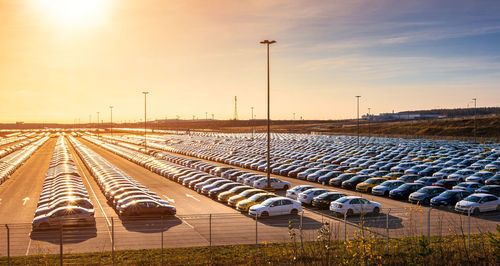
<point>354,205</point>
<point>478,203</point>
<point>469,186</point>
<point>275,206</point>
<point>307,196</point>
<point>275,183</point>
<point>294,192</point>
<point>250,179</point>
<point>384,188</point>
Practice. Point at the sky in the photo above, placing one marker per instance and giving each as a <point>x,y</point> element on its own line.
<point>65,60</point>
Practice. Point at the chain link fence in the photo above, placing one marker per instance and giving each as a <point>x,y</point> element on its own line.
<point>111,234</point>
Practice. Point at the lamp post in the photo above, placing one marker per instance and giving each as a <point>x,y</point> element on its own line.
<point>98,125</point>
<point>267,43</point>
<point>357,98</point>
<point>111,123</point>
<point>145,121</point>
<point>369,122</point>
<point>475,119</point>
<point>251,120</point>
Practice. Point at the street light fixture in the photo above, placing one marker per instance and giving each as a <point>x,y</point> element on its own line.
<point>267,43</point>
<point>111,126</point>
<point>145,121</point>
<point>357,98</point>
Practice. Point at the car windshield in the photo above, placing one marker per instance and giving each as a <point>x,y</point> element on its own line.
<point>268,202</point>
<point>425,190</point>
<point>245,193</point>
<point>342,200</point>
<point>405,186</point>
<point>473,198</point>
<point>371,181</point>
<point>254,197</point>
<point>324,195</point>
<point>448,194</point>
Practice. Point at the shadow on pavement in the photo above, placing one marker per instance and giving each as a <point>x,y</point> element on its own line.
<point>150,224</point>
<point>69,234</point>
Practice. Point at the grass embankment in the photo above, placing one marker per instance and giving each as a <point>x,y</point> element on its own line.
<point>364,249</point>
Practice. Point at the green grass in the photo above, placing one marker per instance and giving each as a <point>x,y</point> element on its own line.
<point>362,250</point>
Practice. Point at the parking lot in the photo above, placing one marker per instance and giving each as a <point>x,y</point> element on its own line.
<point>201,220</point>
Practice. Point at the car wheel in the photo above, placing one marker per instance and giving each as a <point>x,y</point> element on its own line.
<point>294,212</point>
<point>376,211</point>
<point>264,214</point>
<point>498,208</point>
<point>476,211</point>
<point>285,187</point>
<point>427,201</point>
<point>386,193</point>
<point>350,212</point>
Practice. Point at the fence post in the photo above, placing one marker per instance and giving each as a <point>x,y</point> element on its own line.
<point>468,228</point>
<point>8,244</point>
<point>387,229</point>
<point>256,240</point>
<point>301,240</point>
<point>210,235</point>
<point>112,241</point>
<point>429,225</point>
<point>61,244</point>
<point>162,229</point>
<point>345,227</point>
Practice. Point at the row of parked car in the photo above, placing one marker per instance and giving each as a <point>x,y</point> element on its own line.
<point>23,141</point>
<point>12,161</point>
<point>8,140</point>
<point>127,196</point>
<point>398,185</point>
<point>64,200</point>
<point>239,189</point>
<point>420,163</point>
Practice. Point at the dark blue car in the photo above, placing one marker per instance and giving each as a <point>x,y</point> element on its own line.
<point>403,191</point>
<point>449,198</point>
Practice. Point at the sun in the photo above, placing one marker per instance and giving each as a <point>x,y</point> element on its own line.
<point>74,13</point>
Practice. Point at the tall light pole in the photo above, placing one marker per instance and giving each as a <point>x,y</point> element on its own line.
<point>369,121</point>
<point>475,119</point>
<point>267,43</point>
<point>111,124</point>
<point>98,125</point>
<point>251,120</point>
<point>145,143</point>
<point>357,98</point>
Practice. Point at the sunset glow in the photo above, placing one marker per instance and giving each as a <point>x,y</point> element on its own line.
<point>74,13</point>
<point>195,56</point>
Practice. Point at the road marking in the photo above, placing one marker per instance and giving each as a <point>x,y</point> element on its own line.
<point>24,200</point>
<point>191,196</point>
<point>28,249</point>
<point>184,221</point>
<point>169,199</point>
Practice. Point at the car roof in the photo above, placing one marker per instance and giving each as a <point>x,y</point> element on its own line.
<point>483,195</point>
